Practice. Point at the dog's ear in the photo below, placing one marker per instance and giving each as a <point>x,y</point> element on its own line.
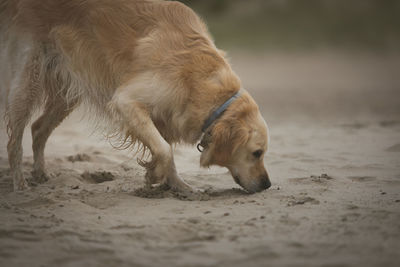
<point>227,135</point>
<point>216,149</point>
<point>221,143</point>
<point>206,158</point>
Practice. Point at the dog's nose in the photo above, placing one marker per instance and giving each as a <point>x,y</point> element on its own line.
<point>265,183</point>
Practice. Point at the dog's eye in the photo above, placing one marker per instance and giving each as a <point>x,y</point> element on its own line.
<point>257,153</point>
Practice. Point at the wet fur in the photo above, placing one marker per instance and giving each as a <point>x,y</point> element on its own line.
<point>149,68</point>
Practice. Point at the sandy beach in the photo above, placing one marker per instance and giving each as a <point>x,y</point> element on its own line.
<point>334,162</point>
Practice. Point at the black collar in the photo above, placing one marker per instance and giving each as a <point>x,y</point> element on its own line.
<point>218,112</point>
<point>213,117</point>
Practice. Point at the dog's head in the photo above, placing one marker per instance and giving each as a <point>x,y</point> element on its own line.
<point>238,141</point>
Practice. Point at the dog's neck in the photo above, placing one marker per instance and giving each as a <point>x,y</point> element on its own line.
<point>209,122</point>
<point>218,112</point>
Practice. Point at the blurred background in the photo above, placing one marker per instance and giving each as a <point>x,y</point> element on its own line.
<point>313,59</point>
<point>302,24</point>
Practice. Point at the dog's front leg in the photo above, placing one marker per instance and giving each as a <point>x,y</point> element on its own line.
<point>137,119</point>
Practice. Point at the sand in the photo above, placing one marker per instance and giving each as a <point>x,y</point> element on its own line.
<point>334,162</point>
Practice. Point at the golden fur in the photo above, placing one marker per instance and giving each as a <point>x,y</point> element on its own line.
<point>148,67</point>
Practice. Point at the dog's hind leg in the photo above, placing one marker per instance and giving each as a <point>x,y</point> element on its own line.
<point>137,120</point>
<point>55,111</point>
<point>19,111</point>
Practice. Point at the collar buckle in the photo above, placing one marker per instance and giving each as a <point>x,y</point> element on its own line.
<point>200,148</point>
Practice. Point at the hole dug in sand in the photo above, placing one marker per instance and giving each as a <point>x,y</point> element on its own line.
<point>97,177</point>
<point>302,201</point>
<point>79,158</point>
<point>164,191</point>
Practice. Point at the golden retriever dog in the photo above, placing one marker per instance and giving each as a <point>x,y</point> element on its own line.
<point>149,67</point>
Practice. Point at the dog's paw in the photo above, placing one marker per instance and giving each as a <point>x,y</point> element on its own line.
<point>21,185</point>
<point>38,177</point>
<point>153,179</point>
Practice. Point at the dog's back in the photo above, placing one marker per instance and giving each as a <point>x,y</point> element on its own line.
<point>92,46</point>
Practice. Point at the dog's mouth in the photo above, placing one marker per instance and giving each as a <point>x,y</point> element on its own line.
<point>237,180</point>
<point>253,187</point>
